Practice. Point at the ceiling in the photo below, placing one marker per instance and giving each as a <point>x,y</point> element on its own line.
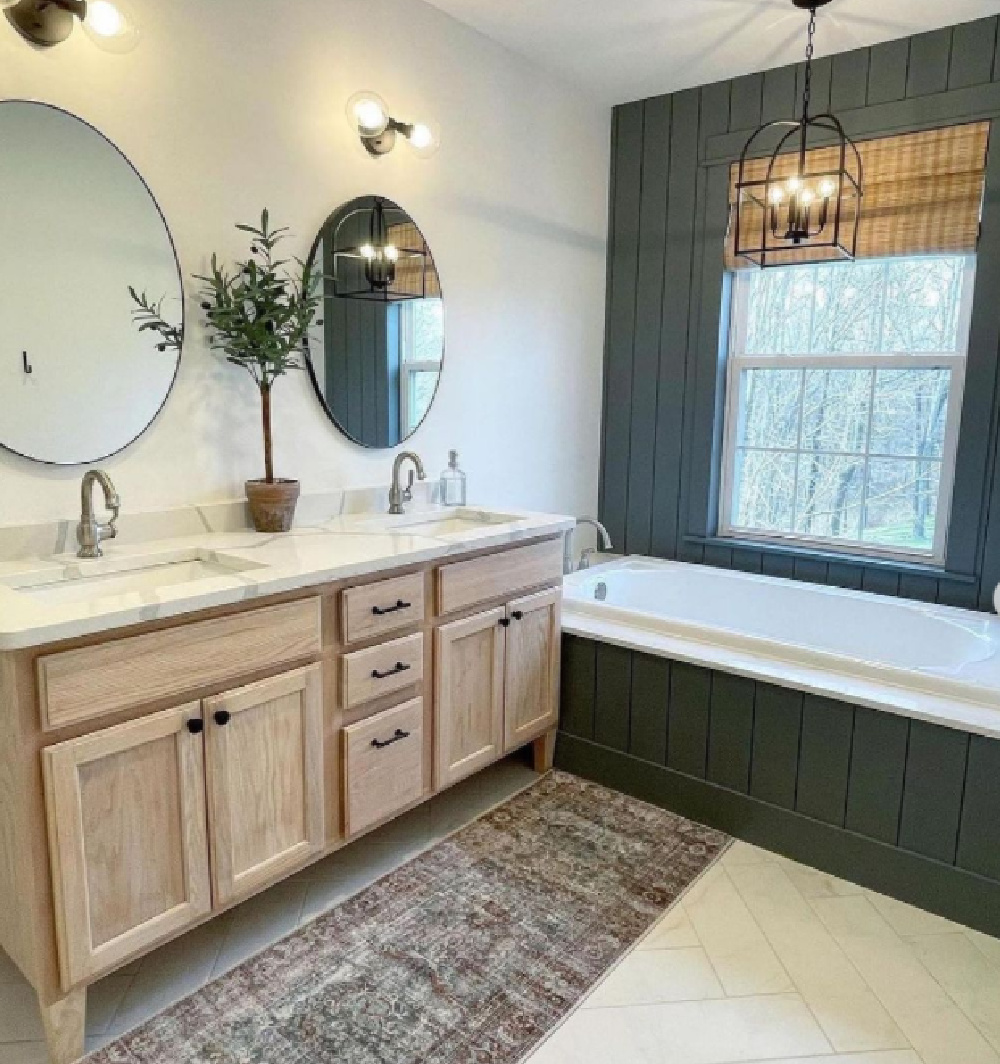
<point>637,48</point>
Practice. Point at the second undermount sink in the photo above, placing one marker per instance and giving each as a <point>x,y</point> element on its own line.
<point>441,524</point>
<point>109,577</point>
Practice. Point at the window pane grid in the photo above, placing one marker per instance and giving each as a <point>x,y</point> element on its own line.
<point>847,445</point>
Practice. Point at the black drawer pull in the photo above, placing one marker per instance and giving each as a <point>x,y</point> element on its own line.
<point>381,744</point>
<point>400,667</point>
<point>222,717</point>
<point>196,725</point>
<point>517,615</point>
<point>504,622</point>
<point>381,611</point>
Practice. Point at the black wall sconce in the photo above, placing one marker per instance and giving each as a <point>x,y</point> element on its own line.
<point>379,131</point>
<point>110,25</point>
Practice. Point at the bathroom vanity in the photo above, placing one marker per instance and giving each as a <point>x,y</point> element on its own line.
<point>166,753</point>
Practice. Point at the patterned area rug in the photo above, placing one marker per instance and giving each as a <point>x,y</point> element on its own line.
<point>469,954</point>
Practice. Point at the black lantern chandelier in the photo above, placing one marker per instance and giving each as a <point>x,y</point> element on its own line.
<point>801,205</point>
<point>369,270</point>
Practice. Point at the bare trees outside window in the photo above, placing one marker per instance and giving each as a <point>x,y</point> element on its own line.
<point>844,395</point>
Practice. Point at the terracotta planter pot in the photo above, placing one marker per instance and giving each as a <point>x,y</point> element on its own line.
<point>272,506</point>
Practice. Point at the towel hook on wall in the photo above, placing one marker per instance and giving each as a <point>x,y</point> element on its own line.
<point>28,368</point>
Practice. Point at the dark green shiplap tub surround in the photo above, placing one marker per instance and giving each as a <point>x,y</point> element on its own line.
<point>907,808</point>
<point>665,359</point>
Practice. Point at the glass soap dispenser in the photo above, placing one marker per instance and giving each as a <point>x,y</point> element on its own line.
<point>453,482</point>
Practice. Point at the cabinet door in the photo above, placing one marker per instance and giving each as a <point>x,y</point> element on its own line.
<point>265,781</point>
<point>468,695</point>
<point>126,813</point>
<point>531,700</point>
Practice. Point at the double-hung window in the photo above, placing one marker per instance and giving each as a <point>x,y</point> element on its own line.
<point>421,344</point>
<point>843,403</point>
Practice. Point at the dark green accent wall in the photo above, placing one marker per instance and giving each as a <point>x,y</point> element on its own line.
<point>898,805</point>
<point>664,371</point>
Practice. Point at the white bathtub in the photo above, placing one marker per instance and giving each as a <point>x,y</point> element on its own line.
<point>933,662</point>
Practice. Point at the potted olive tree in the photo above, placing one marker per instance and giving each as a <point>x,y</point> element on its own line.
<point>258,316</point>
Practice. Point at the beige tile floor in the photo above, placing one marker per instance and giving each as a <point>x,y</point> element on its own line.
<point>762,960</point>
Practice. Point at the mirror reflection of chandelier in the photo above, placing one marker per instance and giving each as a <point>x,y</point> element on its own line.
<point>802,203</point>
<point>382,265</point>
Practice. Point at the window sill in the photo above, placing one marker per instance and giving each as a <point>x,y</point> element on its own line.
<point>867,561</point>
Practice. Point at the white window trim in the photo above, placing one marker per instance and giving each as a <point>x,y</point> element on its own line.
<point>736,363</point>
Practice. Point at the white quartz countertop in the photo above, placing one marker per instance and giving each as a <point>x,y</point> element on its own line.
<point>46,599</point>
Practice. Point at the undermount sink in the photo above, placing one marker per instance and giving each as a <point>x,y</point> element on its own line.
<point>104,578</point>
<point>441,524</point>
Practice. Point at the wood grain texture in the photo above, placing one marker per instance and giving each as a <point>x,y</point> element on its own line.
<point>403,596</point>
<point>126,821</point>
<point>465,584</point>
<point>264,770</point>
<point>381,780</point>
<point>531,668</point>
<point>64,1024</point>
<point>468,695</point>
<point>84,684</point>
<point>399,664</point>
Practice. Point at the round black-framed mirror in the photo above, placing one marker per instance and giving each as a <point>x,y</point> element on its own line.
<point>79,381</point>
<point>376,352</point>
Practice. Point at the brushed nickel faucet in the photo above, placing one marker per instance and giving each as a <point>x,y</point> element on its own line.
<point>397,494</point>
<point>90,533</point>
<point>602,537</point>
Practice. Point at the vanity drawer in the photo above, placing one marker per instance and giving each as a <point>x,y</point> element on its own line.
<point>372,610</point>
<point>80,685</point>
<point>383,765</point>
<point>493,576</point>
<point>382,670</point>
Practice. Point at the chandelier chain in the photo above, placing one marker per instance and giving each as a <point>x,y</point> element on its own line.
<point>810,49</point>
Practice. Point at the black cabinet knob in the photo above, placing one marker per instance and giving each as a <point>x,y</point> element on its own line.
<point>504,622</point>
<point>196,725</point>
<point>222,717</point>
<point>517,615</point>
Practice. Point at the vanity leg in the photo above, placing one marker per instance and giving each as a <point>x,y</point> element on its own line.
<point>543,751</point>
<point>64,1022</point>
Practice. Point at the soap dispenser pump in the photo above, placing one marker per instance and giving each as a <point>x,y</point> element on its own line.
<point>453,482</point>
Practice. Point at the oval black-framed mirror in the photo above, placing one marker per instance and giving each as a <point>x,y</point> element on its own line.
<point>376,352</point>
<point>79,381</point>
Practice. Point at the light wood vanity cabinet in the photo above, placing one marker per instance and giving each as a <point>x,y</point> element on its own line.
<point>152,778</point>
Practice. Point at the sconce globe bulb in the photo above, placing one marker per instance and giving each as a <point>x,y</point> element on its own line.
<point>367,114</point>
<point>424,138</point>
<point>112,26</point>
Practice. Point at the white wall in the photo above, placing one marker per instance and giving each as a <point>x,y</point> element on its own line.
<point>231,105</point>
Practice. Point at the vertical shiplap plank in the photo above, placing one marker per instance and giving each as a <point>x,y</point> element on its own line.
<point>782,565</point>
<point>777,723</point>
<point>979,836</point>
<point>687,729</point>
<point>730,731</point>
<point>825,759</point>
<point>878,765</point>
<point>932,791</point>
<point>888,70</point>
<point>646,346</point>
<point>849,81</point>
<point>650,703</point>
<point>579,679</point>
<point>612,695</point>
<point>972,48</point>
<point>674,323</point>
<point>779,102</point>
<point>880,581</point>
<point>621,318</point>
<point>745,102</point>
<point>715,109</point>
<point>930,57</point>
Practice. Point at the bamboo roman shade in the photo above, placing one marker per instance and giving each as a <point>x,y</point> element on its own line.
<point>923,191</point>
<point>410,268</point>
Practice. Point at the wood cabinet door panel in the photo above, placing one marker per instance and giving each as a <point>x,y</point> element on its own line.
<point>126,814</point>
<point>265,781</point>
<point>531,682</point>
<point>468,695</point>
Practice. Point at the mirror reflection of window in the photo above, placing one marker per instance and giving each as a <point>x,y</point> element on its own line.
<point>421,336</point>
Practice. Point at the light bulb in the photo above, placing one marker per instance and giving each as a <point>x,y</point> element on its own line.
<point>367,114</point>
<point>806,196</point>
<point>423,138</point>
<point>794,184</point>
<point>827,187</point>
<point>111,26</point>
<point>777,195</point>
<point>367,251</point>
<point>391,252</point>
